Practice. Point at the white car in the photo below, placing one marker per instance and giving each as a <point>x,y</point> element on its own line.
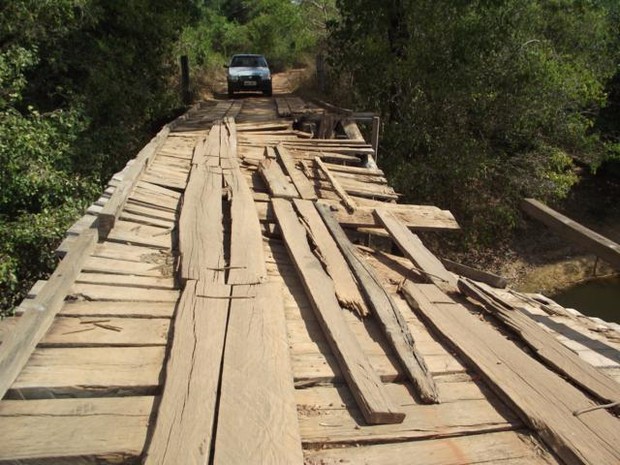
<point>248,72</point>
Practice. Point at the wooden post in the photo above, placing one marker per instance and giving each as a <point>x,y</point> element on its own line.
<point>186,95</point>
<point>320,71</point>
<point>374,139</point>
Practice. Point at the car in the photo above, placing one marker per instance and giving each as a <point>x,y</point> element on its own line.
<point>248,72</point>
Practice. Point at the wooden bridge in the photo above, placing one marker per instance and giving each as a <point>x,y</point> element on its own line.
<point>215,306</point>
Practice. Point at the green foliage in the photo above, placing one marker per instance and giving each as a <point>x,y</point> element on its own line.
<point>484,102</point>
<point>83,83</point>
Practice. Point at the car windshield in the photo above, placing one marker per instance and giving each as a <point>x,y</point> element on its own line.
<point>248,62</point>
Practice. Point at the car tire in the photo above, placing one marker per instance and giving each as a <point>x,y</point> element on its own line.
<point>231,92</point>
<point>268,91</point>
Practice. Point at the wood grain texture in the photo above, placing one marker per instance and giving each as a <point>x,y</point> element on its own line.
<point>110,430</point>
<point>545,345</point>
<point>38,313</point>
<point>186,418</point>
<point>200,226</point>
<point>302,184</point>
<point>348,202</point>
<point>413,248</point>
<point>257,402</point>
<point>247,261</point>
<point>347,290</point>
<point>544,400</point>
<point>385,311</point>
<point>274,177</point>
<point>505,448</point>
<point>90,372</point>
<point>363,381</point>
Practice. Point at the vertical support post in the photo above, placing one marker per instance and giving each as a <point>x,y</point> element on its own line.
<point>186,95</point>
<point>320,71</point>
<point>376,123</point>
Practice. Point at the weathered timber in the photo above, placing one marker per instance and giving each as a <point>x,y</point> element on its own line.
<point>361,377</point>
<point>301,182</point>
<point>349,203</point>
<point>473,273</point>
<point>275,179</point>
<point>347,290</point>
<point>186,418</point>
<point>39,313</point>
<point>257,419</point>
<point>247,262</point>
<point>111,430</point>
<point>90,372</point>
<point>508,448</point>
<point>413,248</point>
<point>599,245</point>
<point>544,400</point>
<point>200,226</point>
<point>545,345</point>
<point>386,311</point>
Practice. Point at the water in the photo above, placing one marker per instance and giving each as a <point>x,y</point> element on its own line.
<point>597,297</point>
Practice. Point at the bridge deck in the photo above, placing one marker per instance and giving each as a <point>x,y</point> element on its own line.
<point>90,391</point>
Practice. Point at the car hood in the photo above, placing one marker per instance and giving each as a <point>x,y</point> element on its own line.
<point>247,71</point>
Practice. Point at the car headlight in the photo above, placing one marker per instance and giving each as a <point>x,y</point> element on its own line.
<point>266,76</point>
<point>233,78</point>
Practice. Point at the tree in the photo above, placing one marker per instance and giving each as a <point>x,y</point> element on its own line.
<point>484,102</point>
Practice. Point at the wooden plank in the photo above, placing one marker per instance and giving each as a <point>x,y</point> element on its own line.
<point>274,177</point>
<point>420,217</point>
<point>111,210</point>
<point>111,430</point>
<point>109,331</point>
<point>505,448</point>
<point>123,267</point>
<point>200,227</point>
<point>119,309</point>
<point>39,312</point>
<point>184,428</point>
<point>386,311</point>
<point>413,248</point>
<point>347,291</point>
<point>139,234</point>
<point>90,372</point>
<point>148,282</point>
<point>361,378</point>
<point>112,293</point>
<point>302,184</point>
<point>544,400</point>
<point>131,253</point>
<point>246,262</point>
<point>599,245</point>
<point>349,203</point>
<point>475,274</point>
<point>257,404</point>
<point>545,345</point>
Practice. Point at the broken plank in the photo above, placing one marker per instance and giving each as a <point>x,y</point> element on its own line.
<point>275,179</point>
<point>413,248</point>
<point>45,431</point>
<point>361,377</point>
<point>183,431</point>
<point>347,290</point>
<point>386,311</point>
<point>115,266</point>
<point>247,261</point>
<point>304,186</point>
<point>475,274</point>
<point>257,400</point>
<point>39,312</point>
<point>148,282</point>
<point>544,400</point>
<point>545,345</point>
<point>201,236</point>
<point>349,203</point>
<point>128,232</point>
<point>90,372</point>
